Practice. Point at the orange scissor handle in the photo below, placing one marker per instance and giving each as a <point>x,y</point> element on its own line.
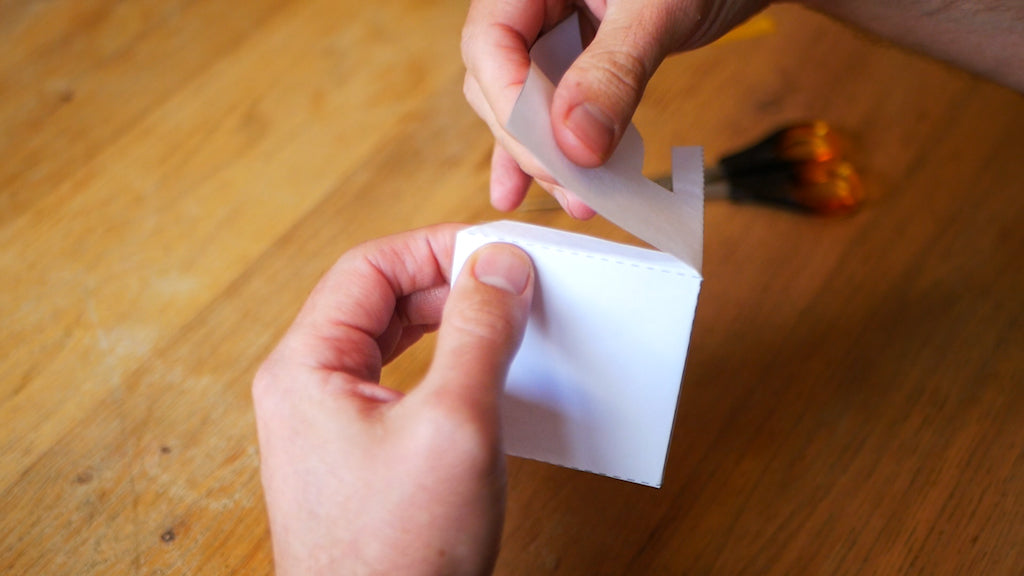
<point>802,165</point>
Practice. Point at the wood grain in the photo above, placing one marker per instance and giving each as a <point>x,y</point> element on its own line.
<point>176,175</point>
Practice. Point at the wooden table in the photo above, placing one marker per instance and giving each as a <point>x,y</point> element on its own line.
<point>176,175</point>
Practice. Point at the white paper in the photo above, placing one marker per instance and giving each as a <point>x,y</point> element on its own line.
<point>671,221</point>
<point>595,384</point>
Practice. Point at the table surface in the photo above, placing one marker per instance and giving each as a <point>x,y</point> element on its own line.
<point>176,175</point>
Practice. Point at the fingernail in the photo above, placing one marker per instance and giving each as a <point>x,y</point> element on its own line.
<point>592,127</point>
<point>562,196</point>
<point>503,266</point>
<point>558,193</point>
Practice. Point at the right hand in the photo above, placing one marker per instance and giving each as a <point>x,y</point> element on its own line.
<point>598,95</point>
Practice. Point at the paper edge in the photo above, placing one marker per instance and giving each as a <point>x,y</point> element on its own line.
<point>585,245</point>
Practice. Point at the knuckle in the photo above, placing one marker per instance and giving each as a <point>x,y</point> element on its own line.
<point>465,435</point>
<point>264,383</point>
<point>621,72</point>
<point>484,323</point>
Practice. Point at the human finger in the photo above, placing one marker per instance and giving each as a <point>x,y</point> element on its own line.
<point>341,325</point>
<point>569,202</point>
<point>496,40</point>
<point>597,97</point>
<point>509,182</point>
<point>481,329</point>
<point>526,161</point>
<point>512,167</point>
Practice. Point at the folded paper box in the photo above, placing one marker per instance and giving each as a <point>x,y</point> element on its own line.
<point>595,384</point>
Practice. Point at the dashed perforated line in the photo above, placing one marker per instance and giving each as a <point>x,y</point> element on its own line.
<point>679,273</point>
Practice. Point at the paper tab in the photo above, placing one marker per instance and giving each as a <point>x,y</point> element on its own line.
<point>671,221</point>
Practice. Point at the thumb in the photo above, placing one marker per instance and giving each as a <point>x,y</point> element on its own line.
<point>599,93</point>
<point>481,329</point>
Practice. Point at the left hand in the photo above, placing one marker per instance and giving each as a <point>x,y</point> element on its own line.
<point>359,478</point>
